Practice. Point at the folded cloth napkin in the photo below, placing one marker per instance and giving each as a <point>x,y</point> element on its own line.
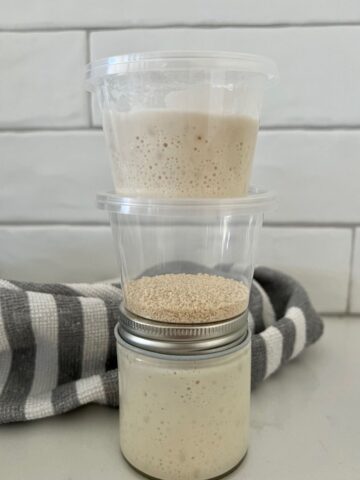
<point>57,347</point>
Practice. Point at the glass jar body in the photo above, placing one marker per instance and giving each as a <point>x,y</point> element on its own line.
<point>184,417</point>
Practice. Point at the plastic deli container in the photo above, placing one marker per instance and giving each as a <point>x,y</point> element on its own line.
<point>181,123</point>
<point>186,260</point>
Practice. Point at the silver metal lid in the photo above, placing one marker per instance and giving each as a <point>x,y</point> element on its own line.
<point>181,339</point>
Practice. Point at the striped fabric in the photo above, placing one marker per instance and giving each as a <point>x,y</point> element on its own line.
<point>57,349</point>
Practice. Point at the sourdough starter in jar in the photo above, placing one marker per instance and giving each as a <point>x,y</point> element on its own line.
<point>164,153</point>
<point>184,418</point>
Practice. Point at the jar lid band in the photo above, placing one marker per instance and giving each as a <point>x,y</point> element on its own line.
<point>181,339</point>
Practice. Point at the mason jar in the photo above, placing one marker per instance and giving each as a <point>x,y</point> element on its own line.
<point>184,396</point>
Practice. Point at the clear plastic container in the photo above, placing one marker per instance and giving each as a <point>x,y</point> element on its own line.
<point>181,123</point>
<point>186,261</point>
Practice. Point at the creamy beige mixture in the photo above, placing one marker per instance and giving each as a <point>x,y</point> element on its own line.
<point>186,298</point>
<point>184,419</point>
<point>164,153</point>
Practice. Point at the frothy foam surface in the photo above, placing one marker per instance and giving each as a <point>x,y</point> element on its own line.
<point>165,153</point>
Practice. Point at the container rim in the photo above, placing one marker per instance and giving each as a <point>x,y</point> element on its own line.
<point>175,60</point>
<point>221,351</point>
<point>258,200</point>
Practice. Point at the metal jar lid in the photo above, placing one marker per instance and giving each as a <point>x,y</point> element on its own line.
<point>181,339</point>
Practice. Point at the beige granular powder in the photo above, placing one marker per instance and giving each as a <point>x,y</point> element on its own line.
<point>186,298</point>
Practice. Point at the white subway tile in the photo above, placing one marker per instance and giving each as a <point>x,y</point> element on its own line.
<point>318,257</point>
<point>57,254</point>
<point>42,80</point>
<point>44,13</point>
<point>315,174</point>
<point>355,284</point>
<point>53,176</point>
<point>319,77</point>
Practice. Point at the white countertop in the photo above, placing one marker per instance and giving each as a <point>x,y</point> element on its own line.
<point>305,425</point>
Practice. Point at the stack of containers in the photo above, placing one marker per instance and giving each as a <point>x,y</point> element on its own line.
<point>181,130</point>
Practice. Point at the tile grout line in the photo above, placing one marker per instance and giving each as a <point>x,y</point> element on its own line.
<point>88,96</point>
<point>47,224</point>
<point>77,223</point>
<point>184,25</point>
<point>284,128</point>
<point>304,224</point>
<point>49,129</point>
<point>318,128</point>
<point>351,270</point>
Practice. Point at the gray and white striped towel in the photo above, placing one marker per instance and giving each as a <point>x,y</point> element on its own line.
<point>57,348</point>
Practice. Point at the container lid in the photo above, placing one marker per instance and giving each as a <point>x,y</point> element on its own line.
<point>179,60</point>
<point>257,201</point>
<point>181,339</point>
